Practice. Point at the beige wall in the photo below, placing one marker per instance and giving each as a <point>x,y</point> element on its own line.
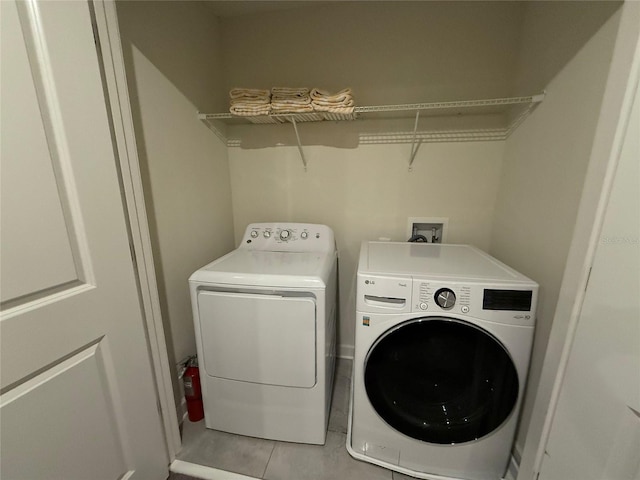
<point>388,52</point>
<point>182,59</point>
<point>183,40</point>
<point>169,49</point>
<point>366,193</point>
<point>545,164</point>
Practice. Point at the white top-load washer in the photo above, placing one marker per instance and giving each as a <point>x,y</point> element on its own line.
<point>443,339</point>
<point>265,323</point>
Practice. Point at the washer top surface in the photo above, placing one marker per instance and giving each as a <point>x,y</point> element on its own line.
<point>425,260</point>
<point>297,261</point>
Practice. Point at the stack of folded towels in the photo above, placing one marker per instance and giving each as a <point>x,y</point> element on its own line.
<point>290,100</point>
<point>341,102</point>
<point>250,102</point>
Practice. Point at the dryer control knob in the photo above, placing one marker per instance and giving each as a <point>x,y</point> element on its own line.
<point>445,298</point>
<point>254,234</point>
<point>285,234</point>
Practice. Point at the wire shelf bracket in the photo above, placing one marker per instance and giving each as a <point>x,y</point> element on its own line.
<point>302,157</point>
<point>414,145</point>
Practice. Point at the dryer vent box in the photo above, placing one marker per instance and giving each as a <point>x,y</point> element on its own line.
<point>434,229</point>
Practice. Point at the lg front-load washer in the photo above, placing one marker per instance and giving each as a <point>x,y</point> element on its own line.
<point>443,339</point>
<point>265,323</point>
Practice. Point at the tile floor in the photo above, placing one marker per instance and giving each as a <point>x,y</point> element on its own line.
<point>272,460</point>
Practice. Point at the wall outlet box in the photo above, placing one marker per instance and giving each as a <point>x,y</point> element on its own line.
<point>434,229</point>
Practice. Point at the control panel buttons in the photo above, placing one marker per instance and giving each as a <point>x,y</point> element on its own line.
<point>304,235</point>
<point>423,305</point>
<point>445,298</point>
<point>465,309</point>
<point>285,234</point>
<point>254,234</point>
<point>266,234</point>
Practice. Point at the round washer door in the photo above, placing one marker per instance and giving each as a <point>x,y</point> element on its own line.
<point>441,380</point>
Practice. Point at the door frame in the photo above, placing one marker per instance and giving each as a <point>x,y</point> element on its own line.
<point>109,48</point>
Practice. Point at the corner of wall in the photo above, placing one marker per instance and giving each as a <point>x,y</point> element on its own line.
<point>546,162</point>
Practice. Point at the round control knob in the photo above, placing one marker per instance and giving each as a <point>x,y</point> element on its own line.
<point>285,234</point>
<point>304,235</point>
<point>254,234</point>
<point>266,234</point>
<point>445,298</point>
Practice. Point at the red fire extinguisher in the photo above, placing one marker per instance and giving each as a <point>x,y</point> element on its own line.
<point>193,390</point>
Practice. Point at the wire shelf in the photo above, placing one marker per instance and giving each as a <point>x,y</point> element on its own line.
<point>504,105</point>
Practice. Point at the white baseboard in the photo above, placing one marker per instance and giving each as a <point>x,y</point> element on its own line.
<point>205,473</point>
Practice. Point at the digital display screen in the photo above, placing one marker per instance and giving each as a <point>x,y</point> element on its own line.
<point>515,300</point>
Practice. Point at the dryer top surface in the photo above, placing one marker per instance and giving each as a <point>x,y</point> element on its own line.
<point>429,261</point>
<point>270,269</point>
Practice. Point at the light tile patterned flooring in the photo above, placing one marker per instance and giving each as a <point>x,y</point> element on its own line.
<point>272,460</point>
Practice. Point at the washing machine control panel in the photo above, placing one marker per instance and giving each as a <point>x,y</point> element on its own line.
<point>497,303</point>
<point>434,297</point>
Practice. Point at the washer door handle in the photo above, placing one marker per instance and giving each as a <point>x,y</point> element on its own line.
<point>390,302</point>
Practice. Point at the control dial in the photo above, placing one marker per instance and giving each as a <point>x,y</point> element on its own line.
<point>445,298</point>
<point>285,234</point>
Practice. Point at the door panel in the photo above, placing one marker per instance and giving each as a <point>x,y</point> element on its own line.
<point>30,199</point>
<point>79,391</point>
<point>266,339</point>
<point>77,394</point>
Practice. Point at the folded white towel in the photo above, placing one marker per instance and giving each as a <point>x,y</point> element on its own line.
<point>326,103</point>
<point>292,101</point>
<point>249,102</point>
<point>278,108</point>
<point>287,91</point>
<point>318,94</point>
<point>248,93</point>
<point>333,109</point>
<point>250,110</point>
<point>342,110</point>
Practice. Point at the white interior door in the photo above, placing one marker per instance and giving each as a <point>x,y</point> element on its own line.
<point>77,395</point>
<point>595,433</point>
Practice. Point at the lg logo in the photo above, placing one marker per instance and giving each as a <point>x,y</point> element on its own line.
<point>369,282</point>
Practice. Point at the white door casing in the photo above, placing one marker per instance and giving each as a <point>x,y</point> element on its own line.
<point>595,433</point>
<point>78,398</point>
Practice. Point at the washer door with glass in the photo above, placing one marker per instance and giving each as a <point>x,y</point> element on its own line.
<point>441,380</point>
